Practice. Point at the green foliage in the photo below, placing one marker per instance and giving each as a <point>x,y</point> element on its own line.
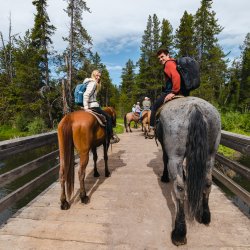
<point>8,132</point>
<point>236,122</point>
<point>184,36</point>
<point>37,126</point>
<point>227,152</point>
<point>167,38</point>
<point>244,97</point>
<point>21,122</point>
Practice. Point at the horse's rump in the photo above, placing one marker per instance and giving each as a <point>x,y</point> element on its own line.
<point>146,115</point>
<point>175,118</point>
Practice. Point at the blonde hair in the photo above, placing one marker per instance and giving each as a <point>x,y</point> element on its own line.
<point>93,76</point>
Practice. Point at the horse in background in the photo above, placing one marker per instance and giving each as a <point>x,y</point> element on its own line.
<point>80,130</point>
<point>189,131</point>
<point>146,122</point>
<point>128,118</point>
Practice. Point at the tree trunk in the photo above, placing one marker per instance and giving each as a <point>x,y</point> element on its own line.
<point>66,108</point>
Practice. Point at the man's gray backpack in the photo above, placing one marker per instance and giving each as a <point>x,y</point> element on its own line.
<point>189,71</point>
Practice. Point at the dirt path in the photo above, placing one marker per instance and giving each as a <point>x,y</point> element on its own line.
<point>130,210</point>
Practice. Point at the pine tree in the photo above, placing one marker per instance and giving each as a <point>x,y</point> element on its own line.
<point>128,88</point>
<point>78,40</point>
<point>41,40</point>
<point>41,37</point>
<point>210,55</point>
<point>148,80</point>
<point>105,93</point>
<point>7,73</point>
<point>184,36</point>
<point>244,98</point>
<point>167,38</point>
<point>231,90</point>
<point>24,91</point>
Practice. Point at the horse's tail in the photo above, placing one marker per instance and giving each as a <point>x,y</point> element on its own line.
<point>125,120</point>
<point>66,148</point>
<point>196,159</point>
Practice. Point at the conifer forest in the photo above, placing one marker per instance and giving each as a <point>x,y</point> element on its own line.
<point>37,81</point>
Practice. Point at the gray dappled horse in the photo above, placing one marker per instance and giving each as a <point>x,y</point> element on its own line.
<point>189,131</point>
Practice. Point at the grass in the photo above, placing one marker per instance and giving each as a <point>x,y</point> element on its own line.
<point>119,129</point>
<point>8,132</point>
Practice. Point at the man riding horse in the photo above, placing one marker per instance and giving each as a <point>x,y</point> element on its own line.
<point>171,88</point>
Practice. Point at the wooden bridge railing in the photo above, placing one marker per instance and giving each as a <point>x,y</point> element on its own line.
<point>239,143</point>
<point>21,145</point>
<point>12,147</point>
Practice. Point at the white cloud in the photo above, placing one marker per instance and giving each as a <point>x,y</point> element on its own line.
<point>114,67</point>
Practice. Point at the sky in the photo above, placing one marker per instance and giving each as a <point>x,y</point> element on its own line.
<point>117,26</point>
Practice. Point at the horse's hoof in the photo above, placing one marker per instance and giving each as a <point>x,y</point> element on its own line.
<point>164,179</point>
<point>177,239</point>
<point>85,199</point>
<point>107,174</point>
<point>96,174</point>
<point>206,217</point>
<point>65,205</point>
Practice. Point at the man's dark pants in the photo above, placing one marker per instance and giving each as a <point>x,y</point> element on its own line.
<point>159,101</point>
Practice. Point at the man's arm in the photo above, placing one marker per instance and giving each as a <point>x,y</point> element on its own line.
<point>173,74</point>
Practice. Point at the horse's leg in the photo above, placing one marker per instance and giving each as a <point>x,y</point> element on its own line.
<point>178,234</point>
<point>105,151</point>
<point>165,177</point>
<point>95,157</point>
<point>84,158</point>
<point>145,131</point>
<point>129,126</point>
<point>204,215</point>
<point>64,204</point>
<point>126,127</point>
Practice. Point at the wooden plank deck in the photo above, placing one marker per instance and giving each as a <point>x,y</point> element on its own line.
<point>130,210</point>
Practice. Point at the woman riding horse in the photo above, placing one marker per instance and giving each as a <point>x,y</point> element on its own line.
<point>83,131</point>
<point>90,102</point>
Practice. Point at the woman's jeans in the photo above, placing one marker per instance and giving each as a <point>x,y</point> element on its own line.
<point>108,118</point>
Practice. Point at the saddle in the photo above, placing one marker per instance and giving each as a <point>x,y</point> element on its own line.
<point>161,107</point>
<point>100,118</point>
<point>136,115</point>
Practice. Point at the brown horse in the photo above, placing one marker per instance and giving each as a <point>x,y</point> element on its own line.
<point>80,130</point>
<point>145,122</point>
<point>128,118</point>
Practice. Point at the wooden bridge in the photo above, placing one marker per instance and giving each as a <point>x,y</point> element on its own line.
<point>132,209</point>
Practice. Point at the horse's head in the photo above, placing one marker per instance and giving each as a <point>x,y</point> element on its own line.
<point>112,113</point>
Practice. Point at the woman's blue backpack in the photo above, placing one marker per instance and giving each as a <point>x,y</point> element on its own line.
<point>78,94</point>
